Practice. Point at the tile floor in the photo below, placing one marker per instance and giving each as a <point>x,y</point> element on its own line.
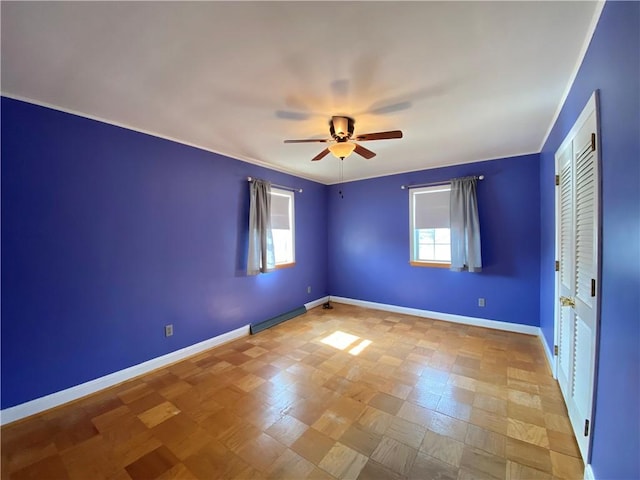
<point>342,393</point>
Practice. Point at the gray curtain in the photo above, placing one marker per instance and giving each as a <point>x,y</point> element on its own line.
<point>465,226</point>
<point>261,258</point>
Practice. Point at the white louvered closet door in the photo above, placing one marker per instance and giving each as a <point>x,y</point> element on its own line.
<point>567,271</point>
<point>577,161</point>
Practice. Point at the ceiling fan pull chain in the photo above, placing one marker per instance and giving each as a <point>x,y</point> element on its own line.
<point>341,177</point>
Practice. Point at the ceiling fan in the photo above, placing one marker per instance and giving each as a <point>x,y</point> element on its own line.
<point>341,130</point>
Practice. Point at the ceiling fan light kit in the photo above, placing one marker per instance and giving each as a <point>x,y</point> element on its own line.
<point>341,130</point>
<point>342,150</point>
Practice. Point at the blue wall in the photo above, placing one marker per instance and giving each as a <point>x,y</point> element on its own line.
<point>109,234</point>
<point>369,244</point>
<point>611,65</point>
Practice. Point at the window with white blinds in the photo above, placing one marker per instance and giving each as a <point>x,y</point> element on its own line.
<point>429,228</point>
<point>283,226</point>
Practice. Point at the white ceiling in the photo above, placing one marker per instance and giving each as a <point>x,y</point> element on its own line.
<point>464,81</point>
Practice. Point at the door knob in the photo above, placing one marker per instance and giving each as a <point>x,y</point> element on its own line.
<point>567,302</point>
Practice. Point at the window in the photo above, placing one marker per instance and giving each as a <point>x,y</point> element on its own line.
<point>430,234</point>
<point>283,227</point>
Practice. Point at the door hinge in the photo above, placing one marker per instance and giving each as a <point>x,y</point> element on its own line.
<point>555,350</point>
<point>593,287</point>
<point>557,180</point>
<point>557,266</point>
<point>586,428</point>
<point>593,142</point>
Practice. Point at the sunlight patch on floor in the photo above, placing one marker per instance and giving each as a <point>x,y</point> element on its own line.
<point>360,347</point>
<point>342,340</point>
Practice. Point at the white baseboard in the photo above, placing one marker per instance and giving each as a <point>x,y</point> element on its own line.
<point>588,473</point>
<point>316,303</point>
<point>41,404</point>
<point>447,317</point>
<point>550,357</point>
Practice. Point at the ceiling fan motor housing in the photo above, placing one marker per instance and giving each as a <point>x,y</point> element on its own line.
<point>341,128</point>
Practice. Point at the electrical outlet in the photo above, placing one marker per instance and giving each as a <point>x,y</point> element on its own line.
<point>481,302</point>
<point>309,289</point>
<point>168,330</point>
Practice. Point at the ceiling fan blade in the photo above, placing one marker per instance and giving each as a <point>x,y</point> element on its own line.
<point>392,108</point>
<point>310,140</point>
<point>365,152</point>
<point>321,155</point>
<point>379,135</point>
<point>291,115</point>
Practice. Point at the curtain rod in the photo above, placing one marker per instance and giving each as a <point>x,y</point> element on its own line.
<point>293,189</point>
<point>434,184</point>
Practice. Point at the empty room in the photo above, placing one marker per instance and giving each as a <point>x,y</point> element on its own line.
<point>323,240</point>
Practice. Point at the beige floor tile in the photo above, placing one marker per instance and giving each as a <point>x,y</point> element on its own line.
<point>525,399</point>
<point>443,448</point>
<point>475,460</point>
<point>137,446</point>
<point>466,474</point>
<point>528,454</point>
<point>387,403</point>
<point>527,432</point>
<point>415,413</point>
<point>486,440</point>
<point>516,471</point>
<point>375,471</point>
<point>427,467</point>
<point>463,382</point>
<point>558,423</point>
<point>458,394</point>
<point>375,420</point>
<point>347,408</point>
<point>489,421</point>
<point>249,382</point>
<point>563,443</point>
<point>406,432</point>
<point>158,414</point>
<point>177,471</point>
<point>331,424</point>
<point>567,467</point>
<point>423,397</point>
<point>287,430</point>
<point>527,387</point>
<point>525,414</point>
<point>343,462</point>
<point>491,404</point>
<point>261,452</point>
<point>289,465</point>
<point>312,445</point>
<point>394,455</point>
<point>153,464</point>
<point>448,426</point>
<point>319,474</point>
<point>237,435</point>
<point>448,406</point>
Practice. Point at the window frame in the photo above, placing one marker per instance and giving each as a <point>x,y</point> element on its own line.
<point>292,226</point>
<point>413,261</point>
